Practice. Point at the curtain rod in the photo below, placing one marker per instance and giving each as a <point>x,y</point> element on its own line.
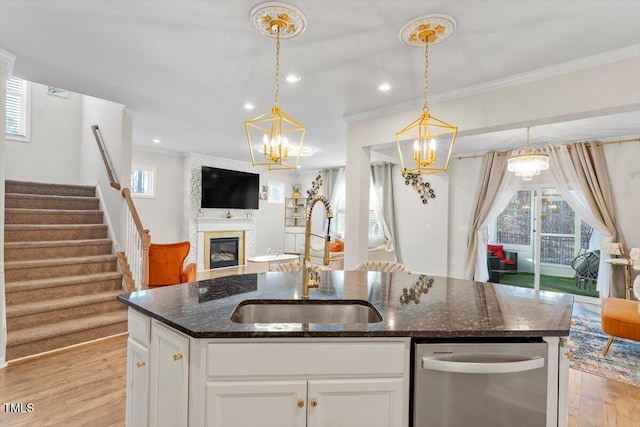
<point>504,153</point>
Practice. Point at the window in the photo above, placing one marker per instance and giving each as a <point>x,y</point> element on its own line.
<point>513,226</point>
<point>18,109</point>
<point>143,181</point>
<point>374,226</point>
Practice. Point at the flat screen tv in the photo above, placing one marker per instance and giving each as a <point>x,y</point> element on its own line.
<point>222,188</point>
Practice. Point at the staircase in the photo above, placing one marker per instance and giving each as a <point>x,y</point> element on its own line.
<point>60,274</point>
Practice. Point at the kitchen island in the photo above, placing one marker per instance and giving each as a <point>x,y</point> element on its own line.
<point>190,364</point>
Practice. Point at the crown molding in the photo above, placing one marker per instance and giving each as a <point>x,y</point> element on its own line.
<point>9,59</point>
<point>517,79</point>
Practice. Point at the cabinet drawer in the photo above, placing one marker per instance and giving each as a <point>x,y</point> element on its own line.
<point>254,360</point>
<point>139,327</point>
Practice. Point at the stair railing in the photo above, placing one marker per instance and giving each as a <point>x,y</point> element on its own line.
<point>134,260</point>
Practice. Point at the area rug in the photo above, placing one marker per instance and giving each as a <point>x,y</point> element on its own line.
<point>622,363</point>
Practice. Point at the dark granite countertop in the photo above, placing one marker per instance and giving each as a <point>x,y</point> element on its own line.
<point>451,308</point>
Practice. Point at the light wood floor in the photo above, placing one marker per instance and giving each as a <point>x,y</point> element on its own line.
<point>85,386</point>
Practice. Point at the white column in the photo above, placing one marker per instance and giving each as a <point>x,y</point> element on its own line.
<point>6,69</point>
<point>357,205</point>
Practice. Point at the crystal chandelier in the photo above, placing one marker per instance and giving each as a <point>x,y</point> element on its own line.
<point>274,136</point>
<point>428,140</point>
<point>528,163</point>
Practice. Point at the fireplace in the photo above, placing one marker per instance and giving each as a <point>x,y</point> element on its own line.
<point>223,249</point>
<point>224,252</point>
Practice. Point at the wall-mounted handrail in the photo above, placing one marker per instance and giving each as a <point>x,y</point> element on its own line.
<point>113,179</point>
<point>134,260</point>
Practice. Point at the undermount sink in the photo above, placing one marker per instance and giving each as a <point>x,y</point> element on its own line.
<point>305,311</point>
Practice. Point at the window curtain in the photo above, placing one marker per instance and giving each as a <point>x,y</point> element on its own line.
<point>329,177</point>
<point>580,174</point>
<point>382,199</point>
<point>334,183</point>
<point>496,189</point>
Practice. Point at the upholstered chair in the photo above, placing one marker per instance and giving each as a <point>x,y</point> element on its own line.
<point>621,317</point>
<point>383,266</point>
<point>166,264</point>
<point>297,266</point>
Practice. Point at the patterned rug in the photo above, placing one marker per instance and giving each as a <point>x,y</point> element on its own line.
<point>622,363</point>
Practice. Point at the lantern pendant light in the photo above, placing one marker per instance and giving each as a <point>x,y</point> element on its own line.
<point>275,138</point>
<point>425,145</point>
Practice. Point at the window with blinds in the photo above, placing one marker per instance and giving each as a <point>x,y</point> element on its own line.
<point>17,106</point>
<point>143,181</point>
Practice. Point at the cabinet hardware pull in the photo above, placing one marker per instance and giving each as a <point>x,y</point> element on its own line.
<point>140,364</point>
<point>300,403</point>
<point>314,403</point>
<point>177,356</point>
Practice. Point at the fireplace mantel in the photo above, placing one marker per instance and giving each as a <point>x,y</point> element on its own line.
<point>223,224</point>
<point>205,225</point>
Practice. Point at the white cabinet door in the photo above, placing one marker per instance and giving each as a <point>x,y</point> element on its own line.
<point>356,403</point>
<point>256,403</point>
<point>137,384</point>
<point>290,242</point>
<point>169,377</point>
<point>299,243</point>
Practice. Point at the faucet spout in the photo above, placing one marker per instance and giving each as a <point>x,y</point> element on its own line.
<point>310,280</point>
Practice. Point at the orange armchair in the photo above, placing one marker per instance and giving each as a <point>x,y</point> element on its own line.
<point>166,264</point>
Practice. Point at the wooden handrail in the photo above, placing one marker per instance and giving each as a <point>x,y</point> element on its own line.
<point>113,181</point>
<point>144,242</point>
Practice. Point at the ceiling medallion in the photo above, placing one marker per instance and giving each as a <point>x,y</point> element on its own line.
<point>275,136</point>
<point>288,20</point>
<point>435,28</point>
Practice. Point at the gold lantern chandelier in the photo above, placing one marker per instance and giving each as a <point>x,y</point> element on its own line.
<point>528,163</point>
<point>275,137</point>
<point>428,141</point>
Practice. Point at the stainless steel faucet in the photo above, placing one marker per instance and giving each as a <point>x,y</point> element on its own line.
<point>310,278</point>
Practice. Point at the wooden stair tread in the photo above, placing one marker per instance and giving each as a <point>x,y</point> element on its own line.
<point>11,265</point>
<point>25,285</point>
<point>42,332</point>
<point>24,309</point>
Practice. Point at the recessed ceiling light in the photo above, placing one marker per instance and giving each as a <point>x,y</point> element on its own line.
<point>249,106</point>
<point>384,87</point>
<point>292,78</point>
<point>156,141</point>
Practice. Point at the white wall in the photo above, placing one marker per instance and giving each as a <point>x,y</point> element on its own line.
<point>464,186</point>
<point>6,67</point>
<point>116,128</point>
<point>623,163</point>
<point>423,228</point>
<point>53,154</point>
<point>162,214</point>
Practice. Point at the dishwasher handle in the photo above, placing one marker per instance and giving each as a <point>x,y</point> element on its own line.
<point>465,367</point>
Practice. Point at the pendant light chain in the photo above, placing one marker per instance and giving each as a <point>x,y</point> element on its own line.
<point>528,144</point>
<point>425,107</point>
<point>277,63</point>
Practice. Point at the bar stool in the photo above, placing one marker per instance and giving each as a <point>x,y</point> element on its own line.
<point>620,258</point>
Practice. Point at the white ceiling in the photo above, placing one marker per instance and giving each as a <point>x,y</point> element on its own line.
<point>184,69</point>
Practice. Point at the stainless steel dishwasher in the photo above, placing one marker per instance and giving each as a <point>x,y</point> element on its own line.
<point>480,384</point>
